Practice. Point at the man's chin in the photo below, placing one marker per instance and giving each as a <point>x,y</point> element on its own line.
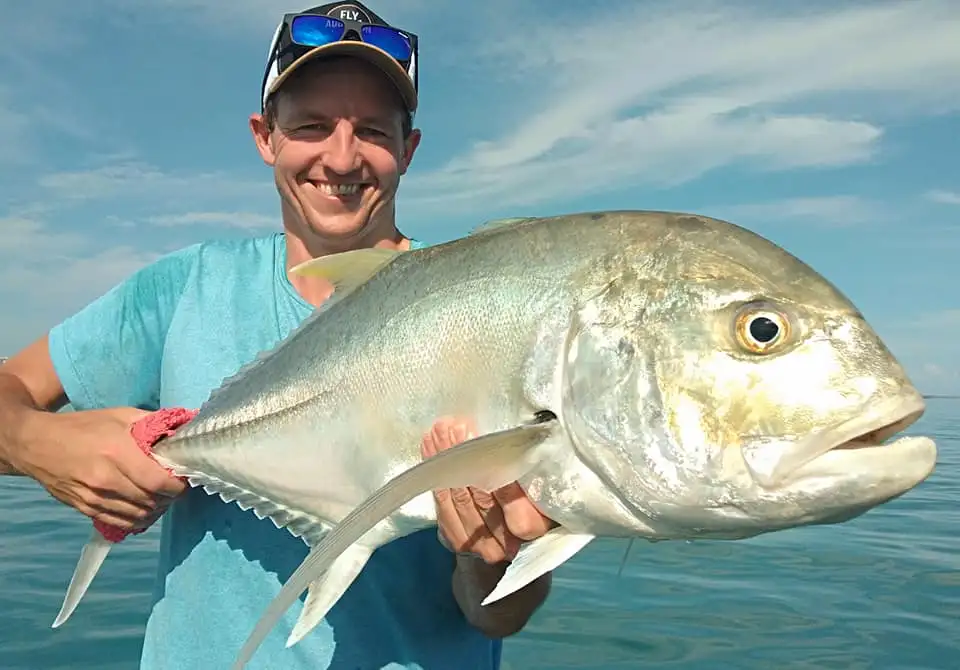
<point>341,225</point>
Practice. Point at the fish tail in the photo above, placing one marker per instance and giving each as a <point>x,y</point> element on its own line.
<point>91,558</point>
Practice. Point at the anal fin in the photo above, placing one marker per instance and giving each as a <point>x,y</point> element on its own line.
<point>537,558</point>
<point>487,462</point>
<point>325,591</point>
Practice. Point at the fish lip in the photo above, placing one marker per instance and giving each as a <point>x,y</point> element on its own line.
<point>870,428</point>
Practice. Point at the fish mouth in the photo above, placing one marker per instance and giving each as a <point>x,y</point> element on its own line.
<point>870,429</point>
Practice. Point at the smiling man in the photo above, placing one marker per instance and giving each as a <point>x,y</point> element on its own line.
<point>336,127</point>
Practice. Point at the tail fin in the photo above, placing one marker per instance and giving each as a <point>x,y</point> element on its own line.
<point>91,558</point>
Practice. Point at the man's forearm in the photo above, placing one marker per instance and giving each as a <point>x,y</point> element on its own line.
<point>474,579</point>
<point>15,404</point>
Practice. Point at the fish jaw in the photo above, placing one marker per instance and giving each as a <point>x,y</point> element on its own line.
<point>843,471</point>
<point>772,463</point>
<point>847,472</point>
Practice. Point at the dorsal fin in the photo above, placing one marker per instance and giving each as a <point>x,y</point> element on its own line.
<point>349,269</point>
<point>499,224</point>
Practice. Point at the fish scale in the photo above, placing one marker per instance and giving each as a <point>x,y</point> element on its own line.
<point>601,358</point>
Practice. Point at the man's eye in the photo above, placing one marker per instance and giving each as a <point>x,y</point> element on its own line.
<point>373,132</point>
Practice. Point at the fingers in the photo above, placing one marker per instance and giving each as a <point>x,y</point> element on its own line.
<point>144,473</point>
<point>124,506</point>
<point>151,518</point>
<point>479,538</point>
<point>109,512</point>
<point>448,521</point>
<point>463,526</point>
<point>109,476</point>
<point>493,518</point>
<point>469,519</point>
<point>162,483</point>
<point>520,515</point>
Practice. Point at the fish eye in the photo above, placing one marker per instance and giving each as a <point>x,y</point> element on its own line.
<point>759,330</point>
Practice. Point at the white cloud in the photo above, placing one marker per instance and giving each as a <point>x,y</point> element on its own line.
<point>659,94</point>
<point>257,16</point>
<point>938,322</point>
<point>46,274</point>
<point>241,220</point>
<point>926,347</point>
<point>49,269</point>
<point>836,210</point>
<point>13,127</point>
<point>136,179</point>
<point>943,197</point>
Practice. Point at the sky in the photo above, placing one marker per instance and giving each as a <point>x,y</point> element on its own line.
<point>831,128</point>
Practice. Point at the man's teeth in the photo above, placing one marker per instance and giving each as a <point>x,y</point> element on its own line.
<point>340,189</point>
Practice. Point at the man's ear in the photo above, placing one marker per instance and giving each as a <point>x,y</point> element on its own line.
<point>261,137</point>
<point>409,149</point>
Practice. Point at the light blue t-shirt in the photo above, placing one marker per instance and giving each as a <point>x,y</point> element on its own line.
<point>166,337</point>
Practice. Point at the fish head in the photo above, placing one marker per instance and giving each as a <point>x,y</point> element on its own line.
<point>724,389</point>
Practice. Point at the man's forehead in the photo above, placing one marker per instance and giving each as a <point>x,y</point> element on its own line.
<point>343,81</point>
<point>318,111</point>
<point>320,103</point>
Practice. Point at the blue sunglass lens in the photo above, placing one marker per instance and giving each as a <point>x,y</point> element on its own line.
<point>393,42</point>
<point>315,31</point>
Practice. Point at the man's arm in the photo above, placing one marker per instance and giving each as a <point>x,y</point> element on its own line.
<point>87,459</point>
<point>474,579</point>
<point>29,388</point>
<point>107,355</point>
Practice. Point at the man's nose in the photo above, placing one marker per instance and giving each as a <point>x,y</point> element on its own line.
<point>342,153</point>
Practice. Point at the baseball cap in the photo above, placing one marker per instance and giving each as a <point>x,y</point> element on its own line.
<point>342,29</point>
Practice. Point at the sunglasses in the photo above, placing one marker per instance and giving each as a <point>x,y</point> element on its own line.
<point>311,30</point>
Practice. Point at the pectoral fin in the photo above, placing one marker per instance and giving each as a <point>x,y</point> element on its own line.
<point>537,558</point>
<point>487,462</point>
<point>325,591</point>
<point>91,558</point>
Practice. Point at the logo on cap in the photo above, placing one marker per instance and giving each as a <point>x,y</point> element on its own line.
<point>349,12</point>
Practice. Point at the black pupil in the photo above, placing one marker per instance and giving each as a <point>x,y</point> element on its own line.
<point>763,330</point>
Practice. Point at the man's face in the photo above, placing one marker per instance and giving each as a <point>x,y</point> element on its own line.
<point>337,148</point>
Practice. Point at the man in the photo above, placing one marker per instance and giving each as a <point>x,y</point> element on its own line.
<point>337,129</point>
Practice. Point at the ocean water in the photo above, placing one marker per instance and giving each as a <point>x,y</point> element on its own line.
<point>882,591</point>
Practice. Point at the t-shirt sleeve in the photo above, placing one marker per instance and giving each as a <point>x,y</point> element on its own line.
<point>109,353</point>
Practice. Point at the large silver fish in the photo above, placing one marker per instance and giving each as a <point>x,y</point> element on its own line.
<point>642,374</point>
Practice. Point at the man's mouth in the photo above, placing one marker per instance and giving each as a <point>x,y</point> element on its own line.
<point>340,190</point>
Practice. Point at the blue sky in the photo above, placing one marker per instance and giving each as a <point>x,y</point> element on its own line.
<point>832,130</point>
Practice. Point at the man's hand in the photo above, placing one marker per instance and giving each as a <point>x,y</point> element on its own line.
<point>490,526</point>
<point>89,461</point>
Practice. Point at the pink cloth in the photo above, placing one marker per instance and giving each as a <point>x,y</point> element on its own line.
<point>147,432</point>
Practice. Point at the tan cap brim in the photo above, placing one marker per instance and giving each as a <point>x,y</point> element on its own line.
<point>373,55</point>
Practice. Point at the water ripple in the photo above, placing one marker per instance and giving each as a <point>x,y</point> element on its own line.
<point>879,593</point>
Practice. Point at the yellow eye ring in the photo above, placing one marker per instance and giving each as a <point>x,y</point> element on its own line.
<point>760,330</point>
